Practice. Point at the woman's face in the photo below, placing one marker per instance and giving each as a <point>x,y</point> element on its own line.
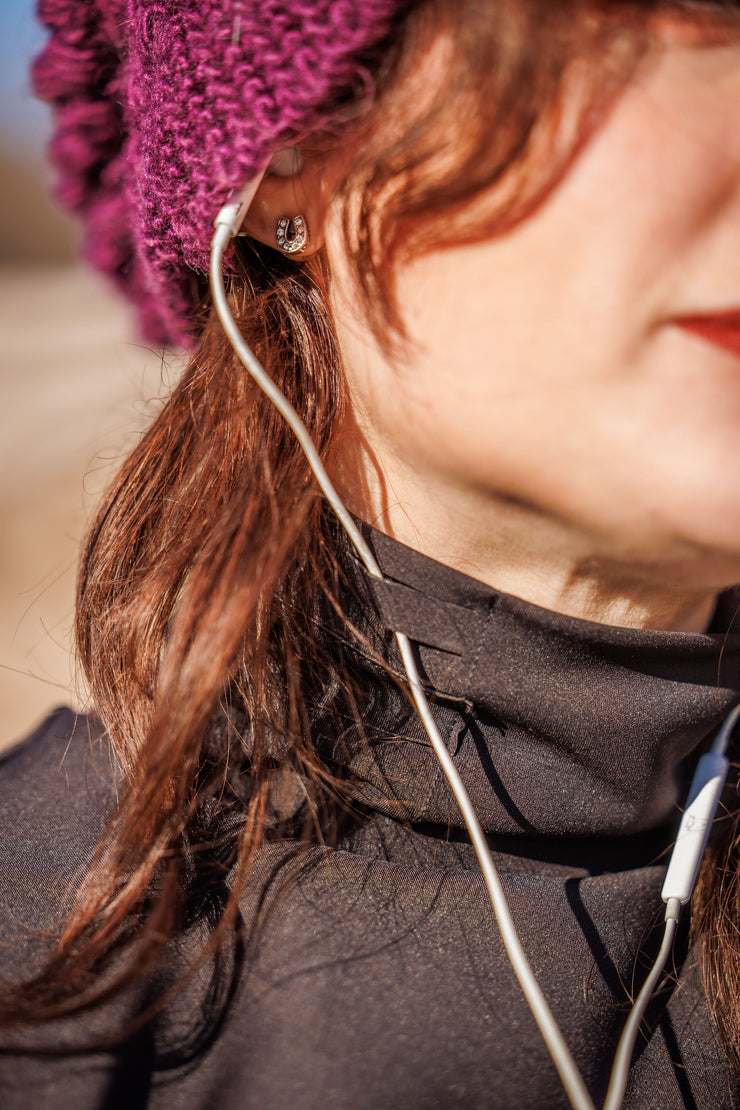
<point>553,373</point>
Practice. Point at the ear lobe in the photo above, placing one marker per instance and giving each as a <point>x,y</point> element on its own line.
<point>292,197</point>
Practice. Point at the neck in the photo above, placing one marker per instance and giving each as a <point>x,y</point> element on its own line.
<point>517,549</point>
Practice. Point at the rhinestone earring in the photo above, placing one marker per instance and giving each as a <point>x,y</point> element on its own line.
<point>291,234</point>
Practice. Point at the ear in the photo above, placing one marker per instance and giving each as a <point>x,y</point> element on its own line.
<point>293,186</point>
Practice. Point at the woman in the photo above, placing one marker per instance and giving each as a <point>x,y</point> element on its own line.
<point>489,255</point>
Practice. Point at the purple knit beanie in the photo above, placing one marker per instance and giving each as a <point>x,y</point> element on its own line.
<point>163,106</point>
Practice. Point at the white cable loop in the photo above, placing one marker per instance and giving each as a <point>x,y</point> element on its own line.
<point>227,225</point>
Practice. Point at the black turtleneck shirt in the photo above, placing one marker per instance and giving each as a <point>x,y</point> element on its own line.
<point>375,976</point>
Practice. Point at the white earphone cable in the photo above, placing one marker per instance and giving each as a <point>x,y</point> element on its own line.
<point>227,225</point>
<point>566,1066</point>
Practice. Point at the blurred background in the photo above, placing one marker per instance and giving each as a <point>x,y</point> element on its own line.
<point>77,388</point>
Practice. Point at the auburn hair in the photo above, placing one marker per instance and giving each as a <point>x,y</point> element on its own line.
<point>211,564</point>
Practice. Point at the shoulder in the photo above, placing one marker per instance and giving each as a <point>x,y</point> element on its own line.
<point>64,771</point>
<point>57,793</point>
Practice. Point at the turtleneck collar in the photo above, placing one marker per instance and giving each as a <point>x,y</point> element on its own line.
<point>559,726</point>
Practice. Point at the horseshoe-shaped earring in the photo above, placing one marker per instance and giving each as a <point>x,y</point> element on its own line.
<point>291,234</point>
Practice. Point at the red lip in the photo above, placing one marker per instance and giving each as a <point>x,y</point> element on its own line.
<point>720,328</point>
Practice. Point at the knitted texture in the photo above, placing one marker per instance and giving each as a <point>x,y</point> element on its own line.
<point>162,107</point>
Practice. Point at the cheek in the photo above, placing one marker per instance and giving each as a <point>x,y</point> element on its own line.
<point>506,339</point>
<point>651,452</point>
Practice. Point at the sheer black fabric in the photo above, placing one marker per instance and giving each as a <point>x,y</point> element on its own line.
<point>374,975</point>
